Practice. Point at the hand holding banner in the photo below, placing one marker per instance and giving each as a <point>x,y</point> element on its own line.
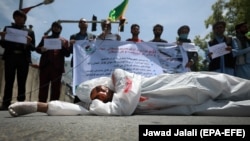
<point>16,35</point>
<point>218,50</point>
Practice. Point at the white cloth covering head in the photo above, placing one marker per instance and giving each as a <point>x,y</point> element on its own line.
<point>84,89</point>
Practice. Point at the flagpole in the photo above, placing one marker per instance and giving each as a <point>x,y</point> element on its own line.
<point>76,21</point>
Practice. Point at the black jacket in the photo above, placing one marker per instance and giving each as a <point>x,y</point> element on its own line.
<point>229,60</point>
<point>11,47</point>
<point>52,58</point>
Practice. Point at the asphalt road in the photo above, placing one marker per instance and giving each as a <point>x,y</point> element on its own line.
<point>40,127</point>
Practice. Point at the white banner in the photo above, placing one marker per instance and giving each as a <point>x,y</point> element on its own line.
<point>98,58</point>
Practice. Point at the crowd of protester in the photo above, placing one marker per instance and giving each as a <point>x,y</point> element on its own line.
<point>17,56</point>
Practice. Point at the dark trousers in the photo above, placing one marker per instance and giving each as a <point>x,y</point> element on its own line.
<point>17,66</point>
<point>49,77</point>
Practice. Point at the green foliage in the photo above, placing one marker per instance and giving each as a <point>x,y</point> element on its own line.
<point>230,11</point>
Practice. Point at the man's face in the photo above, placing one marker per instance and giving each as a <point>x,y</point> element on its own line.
<point>184,31</point>
<point>19,20</point>
<point>106,26</point>
<point>157,31</point>
<point>244,29</point>
<point>135,30</point>
<point>219,30</point>
<point>83,24</point>
<point>102,93</point>
<point>56,29</point>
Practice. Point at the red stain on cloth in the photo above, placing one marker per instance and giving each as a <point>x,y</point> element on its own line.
<point>143,98</point>
<point>128,85</point>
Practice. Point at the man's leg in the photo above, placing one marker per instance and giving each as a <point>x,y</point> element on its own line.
<point>9,75</point>
<point>55,91</point>
<point>24,108</point>
<point>62,108</point>
<point>22,74</point>
<point>44,84</point>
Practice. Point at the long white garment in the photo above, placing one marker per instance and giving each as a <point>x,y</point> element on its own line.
<point>200,93</point>
<point>191,93</point>
<point>62,108</point>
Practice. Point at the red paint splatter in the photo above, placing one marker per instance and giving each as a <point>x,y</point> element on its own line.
<point>128,85</point>
<point>143,98</point>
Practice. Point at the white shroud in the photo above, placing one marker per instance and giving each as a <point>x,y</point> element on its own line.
<point>191,93</point>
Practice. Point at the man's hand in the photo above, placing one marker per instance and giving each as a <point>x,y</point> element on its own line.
<point>65,43</point>
<point>189,64</point>
<point>118,37</point>
<point>210,54</point>
<point>2,34</point>
<point>71,42</point>
<point>179,43</point>
<point>29,39</point>
<point>43,49</point>
<point>228,48</point>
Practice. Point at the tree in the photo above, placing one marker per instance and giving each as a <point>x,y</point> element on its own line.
<point>230,11</point>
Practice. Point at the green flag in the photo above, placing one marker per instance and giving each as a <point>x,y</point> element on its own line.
<point>118,12</point>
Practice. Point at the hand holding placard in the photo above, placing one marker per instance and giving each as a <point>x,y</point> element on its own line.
<point>218,50</point>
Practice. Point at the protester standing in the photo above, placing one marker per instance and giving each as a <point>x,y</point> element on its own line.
<point>224,63</point>
<point>83,34</point>
<point>52,64</point>
<point>183,33</point>
<point>17,58</point>
<point>242,68</point>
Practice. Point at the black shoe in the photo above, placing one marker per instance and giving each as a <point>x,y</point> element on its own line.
<point>76,100</point>
<point>4,108</point>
